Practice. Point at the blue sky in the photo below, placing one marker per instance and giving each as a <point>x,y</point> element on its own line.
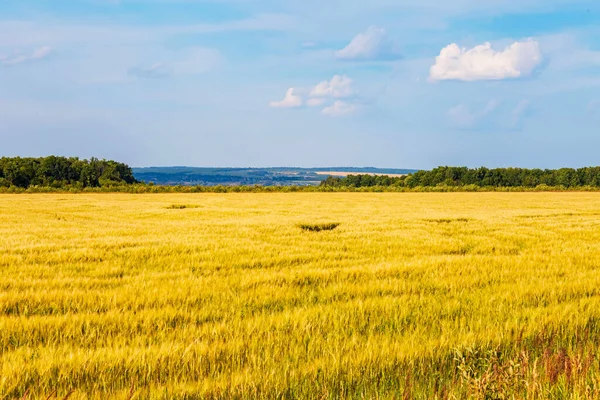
<point>387,83</point>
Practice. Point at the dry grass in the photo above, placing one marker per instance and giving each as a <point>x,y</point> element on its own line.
<point>482,295</point>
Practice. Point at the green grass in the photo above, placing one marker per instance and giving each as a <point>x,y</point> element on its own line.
<point>319,227</point>
<point>182,206</point>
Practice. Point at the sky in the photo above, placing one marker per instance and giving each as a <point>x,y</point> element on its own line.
<point>242,83</point>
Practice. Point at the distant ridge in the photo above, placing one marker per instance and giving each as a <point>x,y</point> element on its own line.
<point>270,176</point>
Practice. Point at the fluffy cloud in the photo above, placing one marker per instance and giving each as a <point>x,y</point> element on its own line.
<point>38,54</point>
<point>340,86</point>
<point>484,63</point>
<point>327,94</point>
<point>339,108</point>
<point>290,100</point>
<point>373,44</point>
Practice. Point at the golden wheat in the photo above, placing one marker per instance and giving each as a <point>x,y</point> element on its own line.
<point>447,295</point>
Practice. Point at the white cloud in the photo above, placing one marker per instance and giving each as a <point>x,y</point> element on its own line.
<point>38,54</point>
<point>315,102</point>
<point>484,63</point>
<point>340,108</point>
<point>373,44</point>
<point>290,101</point>
<point>326,94</point>
<point>340,86</point>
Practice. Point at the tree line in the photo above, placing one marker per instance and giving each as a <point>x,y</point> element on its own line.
<point>63,172</point>
<point>479,177</point>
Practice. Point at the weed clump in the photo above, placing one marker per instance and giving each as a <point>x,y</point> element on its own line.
<point>182,206</point>
<point>319,227</point>
<point>448,220</point>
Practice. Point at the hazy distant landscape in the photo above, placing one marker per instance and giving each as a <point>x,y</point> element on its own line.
<point>54,173</point>
<point>280,176</point>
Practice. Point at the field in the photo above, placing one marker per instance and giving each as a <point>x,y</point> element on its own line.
<point>416,295</point>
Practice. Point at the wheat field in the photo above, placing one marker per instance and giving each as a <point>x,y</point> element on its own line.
<point>194,296</point>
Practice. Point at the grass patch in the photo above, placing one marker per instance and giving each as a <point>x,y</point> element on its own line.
<point>182,206</point>
<point>448,220</point>
<point>319,227</point>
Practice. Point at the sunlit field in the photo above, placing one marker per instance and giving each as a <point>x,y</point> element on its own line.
<point>183,296</point>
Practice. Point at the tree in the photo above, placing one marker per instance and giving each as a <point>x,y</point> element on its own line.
<point>60,172</point>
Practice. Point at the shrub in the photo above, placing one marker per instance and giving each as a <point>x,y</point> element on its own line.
<point>319,227</point>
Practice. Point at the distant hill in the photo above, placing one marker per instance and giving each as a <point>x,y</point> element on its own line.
<point>280,176</point>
